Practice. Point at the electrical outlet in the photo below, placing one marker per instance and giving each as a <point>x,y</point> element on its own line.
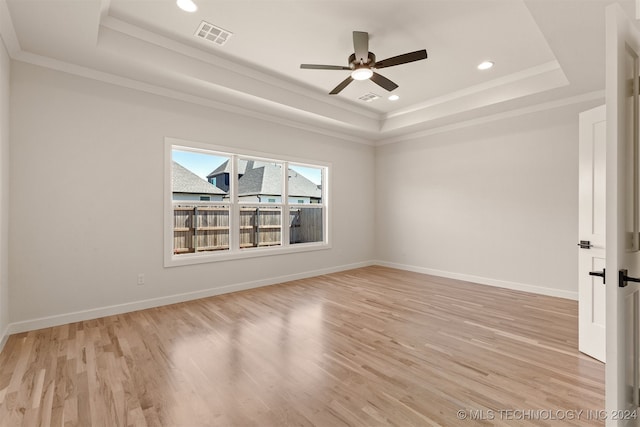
<point>140,279</point>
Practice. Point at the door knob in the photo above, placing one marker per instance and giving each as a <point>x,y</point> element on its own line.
<point>599,274</point>
<point>585,244</point>
<point>623,278</point>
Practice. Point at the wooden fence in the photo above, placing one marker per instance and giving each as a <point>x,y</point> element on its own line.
<point>260,227</point>
<point>206,228</point>
<point>200,228</point>
<point>305,225</point>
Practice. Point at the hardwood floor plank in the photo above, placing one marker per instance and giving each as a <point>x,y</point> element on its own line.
<point>367,347</point>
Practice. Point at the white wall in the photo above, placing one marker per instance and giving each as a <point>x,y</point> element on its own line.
<point>4,190</point>
<point>87,195</point>
<point>495,203</point>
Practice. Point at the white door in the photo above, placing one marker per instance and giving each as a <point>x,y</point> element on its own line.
<point>591,232</point>
<point>622,70</point>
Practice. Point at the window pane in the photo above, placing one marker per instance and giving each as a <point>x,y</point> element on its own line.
<point>260,226</point>
<point>259,181</point>
<point>198,174</point>
<point>305,184</point>
<point>268,195</point>
<point>305,225</point>
<point>200,214</point>
<point>200,227</point>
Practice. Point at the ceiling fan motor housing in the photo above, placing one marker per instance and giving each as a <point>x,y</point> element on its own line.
<point>355,63</point>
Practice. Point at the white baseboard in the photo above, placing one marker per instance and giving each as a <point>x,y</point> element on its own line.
<point>484,280</point>
<point>78,316</point>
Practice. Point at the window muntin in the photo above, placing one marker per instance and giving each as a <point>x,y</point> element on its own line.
<point>247,219</point>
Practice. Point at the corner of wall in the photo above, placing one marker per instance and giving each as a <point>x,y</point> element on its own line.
<point>515,286</point>
<point>5,82</point>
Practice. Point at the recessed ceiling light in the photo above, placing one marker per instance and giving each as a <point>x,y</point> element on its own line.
<point>187,5</point>
<point>485,65</point>
<point>361,73</point>
<point>393,97</point>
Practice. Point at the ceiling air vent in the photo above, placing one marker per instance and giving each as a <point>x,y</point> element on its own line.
<point>368,97</point>
<point>213,34</point>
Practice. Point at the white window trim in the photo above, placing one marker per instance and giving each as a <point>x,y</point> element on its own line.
<point>234,252</point>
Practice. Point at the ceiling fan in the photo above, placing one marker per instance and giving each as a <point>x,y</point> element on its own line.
<point>362,63</point>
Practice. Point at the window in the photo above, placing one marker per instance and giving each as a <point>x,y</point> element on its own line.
<point>305,187</point>
<point>223,205</point>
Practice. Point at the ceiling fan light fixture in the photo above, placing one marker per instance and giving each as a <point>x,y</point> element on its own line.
<point>485,65</point>
<point>361,73</point>
<point>187,5</point>
<point>361,70</point>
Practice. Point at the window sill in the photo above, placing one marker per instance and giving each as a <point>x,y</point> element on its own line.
<point>207,257</point>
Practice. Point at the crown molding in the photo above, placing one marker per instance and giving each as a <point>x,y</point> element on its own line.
<point>90,73</point>
<point>526,82</point>
<point>594,96</point>
<point>250,92</point>
<point>7,31</point>
<point>211,58</point>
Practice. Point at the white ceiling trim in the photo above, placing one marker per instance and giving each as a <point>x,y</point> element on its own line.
<point>136,58</point>
<point>233,67</point>
<point>102,76</point>
<point>7,31</point>
<point>109,78</point>
<point>528,82</point>
<point>591,97</point>
<point>543,69</point>
<point>206,79</point>
<point>104,9</point>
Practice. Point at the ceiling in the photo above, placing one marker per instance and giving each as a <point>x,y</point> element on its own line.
<point>545,52</point>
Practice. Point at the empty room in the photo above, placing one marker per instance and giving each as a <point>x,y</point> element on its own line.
<point>319,213</point>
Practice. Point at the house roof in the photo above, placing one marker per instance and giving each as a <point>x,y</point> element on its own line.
<point>242,167</point>
<point>185,181</point>
<point>267,179</point>
<point>301,186</point>
<point>258,177</point>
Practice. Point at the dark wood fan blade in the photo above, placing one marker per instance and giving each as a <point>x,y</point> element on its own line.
<point>323,67</point>
<point>341,86</point>
<point>361,46</point>
<point>383,82</point>
<point>402,59</point>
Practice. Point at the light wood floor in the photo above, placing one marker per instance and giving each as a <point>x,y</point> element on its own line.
<point>367,347</point>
